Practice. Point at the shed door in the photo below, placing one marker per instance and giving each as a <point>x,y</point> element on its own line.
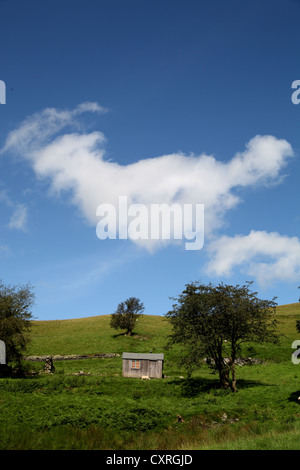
<point>152,369</point>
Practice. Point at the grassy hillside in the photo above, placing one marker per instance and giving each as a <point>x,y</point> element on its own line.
<point>94,335</point>
<point>104,410</point>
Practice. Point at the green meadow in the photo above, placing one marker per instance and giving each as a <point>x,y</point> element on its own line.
<point>103,410</point>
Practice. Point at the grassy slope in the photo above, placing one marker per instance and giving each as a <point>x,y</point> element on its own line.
<point>266,402</point>
<point>94,335</point>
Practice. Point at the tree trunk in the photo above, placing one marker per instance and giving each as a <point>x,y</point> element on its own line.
<point>232,366</point>
<point>224,377</point>
<point>233,381</point>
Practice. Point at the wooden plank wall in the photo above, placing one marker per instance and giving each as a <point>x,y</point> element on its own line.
<point>152,369</point>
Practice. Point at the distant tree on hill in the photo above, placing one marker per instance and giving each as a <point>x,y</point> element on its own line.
<point>298,321</point>
<point>127,314</point>
<point>213,322</point>
<point>15,316</point>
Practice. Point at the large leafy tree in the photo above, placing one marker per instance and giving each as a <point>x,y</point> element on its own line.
<point>214,321</point>
<point>127,314</point>
<point>15,316</point>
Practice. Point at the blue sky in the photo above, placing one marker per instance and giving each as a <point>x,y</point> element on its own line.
<point>162,101</point>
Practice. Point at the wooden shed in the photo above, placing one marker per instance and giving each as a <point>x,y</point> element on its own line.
<point>141,364</point>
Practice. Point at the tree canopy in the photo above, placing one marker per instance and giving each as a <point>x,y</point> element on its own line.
<point>127,314</point>
<point>15,316</point>
<point>214,321</point>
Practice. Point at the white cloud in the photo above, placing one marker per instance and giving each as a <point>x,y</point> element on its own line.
<point>261,162</point>
<point>35,130</point>
<point>18,219</point>
<point>76,162</point>
<point>265,256</point>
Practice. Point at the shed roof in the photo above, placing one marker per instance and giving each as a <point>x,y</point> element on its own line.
<point>152,357</point>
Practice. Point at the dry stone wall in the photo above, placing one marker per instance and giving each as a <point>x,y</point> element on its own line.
<point>70,357</point>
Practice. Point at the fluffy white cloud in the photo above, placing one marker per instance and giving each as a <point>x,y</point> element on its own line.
<point>266,256</point>
<point>76,162</point>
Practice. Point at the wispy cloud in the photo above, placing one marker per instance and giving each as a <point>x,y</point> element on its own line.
<point>4,249</point>
<point>34,131</point>
<point>19,217</point>
<point>79,275</point>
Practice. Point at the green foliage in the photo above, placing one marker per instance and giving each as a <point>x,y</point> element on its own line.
<point>132,414</point>
<point>76,405</point>
<point>127,314</point>
<point>214,321</point>
<point>103,410</point>
<point>15,316</point>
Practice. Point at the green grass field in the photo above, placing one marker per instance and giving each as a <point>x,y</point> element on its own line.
<point>103,410</point>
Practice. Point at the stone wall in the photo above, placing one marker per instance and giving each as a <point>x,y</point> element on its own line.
<point>71,357</point>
